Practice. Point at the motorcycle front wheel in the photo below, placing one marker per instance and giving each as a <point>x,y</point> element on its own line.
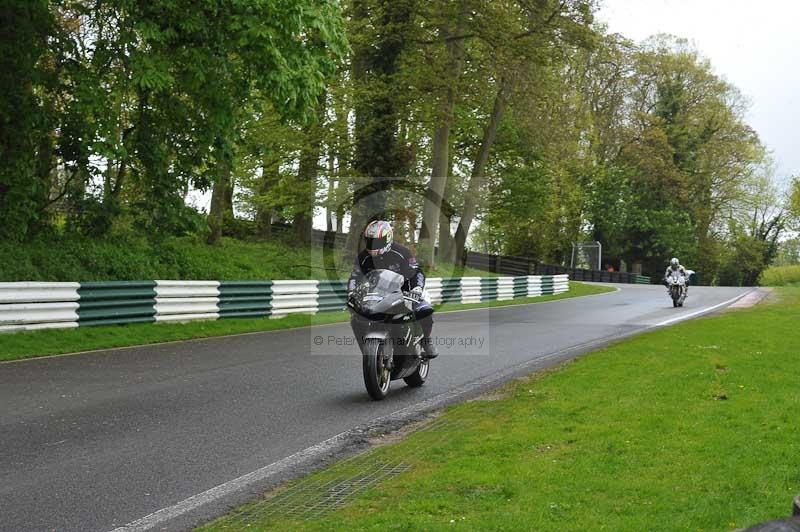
<point>377,375</point>
<point>417,379</point>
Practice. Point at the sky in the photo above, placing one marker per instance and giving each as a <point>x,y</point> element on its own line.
<point>753,45</point>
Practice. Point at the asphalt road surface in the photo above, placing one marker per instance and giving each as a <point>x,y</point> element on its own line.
<point>179,431</point>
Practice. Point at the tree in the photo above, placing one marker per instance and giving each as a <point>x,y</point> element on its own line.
<point>379,153</point>
<point>24,27</point>
<point>546,27</point>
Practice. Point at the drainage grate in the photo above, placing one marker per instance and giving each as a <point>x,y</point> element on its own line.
<point>316,495</point>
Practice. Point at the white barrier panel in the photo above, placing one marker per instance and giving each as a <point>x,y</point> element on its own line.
<point>38,305</point>
<point>33,313</point>
<point>187,289</point>
<point>187,300</point>
<point>433,285</point>
<point>37,326</point>
<point>187,317</point>
<point>291,297</point>
<point>186,305</point>
<point>35,292</point>
<point>505,288</point>
<point>557,283</point>
<point>470,289</point>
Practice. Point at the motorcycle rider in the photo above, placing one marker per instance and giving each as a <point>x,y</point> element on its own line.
<point>676,266</point>
<point>383,253</point>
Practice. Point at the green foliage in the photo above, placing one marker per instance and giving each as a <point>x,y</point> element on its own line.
<point>24,27</point>
<point>120,107</point>
<point>781,276</point>
<point>794,198</point>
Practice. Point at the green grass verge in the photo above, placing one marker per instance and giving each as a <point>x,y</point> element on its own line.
<point>692,427</point>
<point>186,258</point>
<point>58,341</point>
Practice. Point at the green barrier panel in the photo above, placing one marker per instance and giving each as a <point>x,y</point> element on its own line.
<point>489,289</point>
<point>520,287</point>
<point>245,299</point>
<point>451,290</point>
<point>116,302</point>
<point>332,295</point>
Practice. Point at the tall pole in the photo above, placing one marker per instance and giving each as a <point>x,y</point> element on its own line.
<point>599,255</point>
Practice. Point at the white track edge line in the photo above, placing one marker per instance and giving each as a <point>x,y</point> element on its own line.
<point>699,312</point>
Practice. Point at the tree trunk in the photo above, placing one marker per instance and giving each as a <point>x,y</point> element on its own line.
<point>360,58</point>
<point>220,194</point>
<point>329,194</point>
<point>479,168</point>
<point>445,239</point>
<point>216,214</point>
<point>440,165</point>
<point>432,206</point>
<point>269,177</point>
<point>307,172</point>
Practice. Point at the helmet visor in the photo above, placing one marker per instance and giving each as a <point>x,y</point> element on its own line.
<point>375,244</point>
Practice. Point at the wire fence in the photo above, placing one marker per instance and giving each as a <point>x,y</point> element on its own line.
<point>315,496</point>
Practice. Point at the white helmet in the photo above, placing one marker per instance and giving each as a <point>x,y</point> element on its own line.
<point>674,262</point>
<point>379,236</point>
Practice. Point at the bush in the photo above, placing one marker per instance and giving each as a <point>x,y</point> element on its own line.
<point>780,276</point>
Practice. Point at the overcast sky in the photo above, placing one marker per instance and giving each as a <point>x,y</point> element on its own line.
<point>754,45</point>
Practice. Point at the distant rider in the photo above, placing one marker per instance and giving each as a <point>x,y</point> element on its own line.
<point>676,266</point>
<point>382,253</point>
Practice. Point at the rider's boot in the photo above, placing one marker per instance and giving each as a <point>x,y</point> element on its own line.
<point>429,350</point>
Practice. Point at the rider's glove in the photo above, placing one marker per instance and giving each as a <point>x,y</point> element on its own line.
<point>416,293</point>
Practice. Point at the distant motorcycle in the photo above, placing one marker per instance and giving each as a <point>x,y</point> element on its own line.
<point>678,287</point>
<point>391,337</point>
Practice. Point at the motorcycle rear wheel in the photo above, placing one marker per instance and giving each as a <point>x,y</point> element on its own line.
<point>377,376</point>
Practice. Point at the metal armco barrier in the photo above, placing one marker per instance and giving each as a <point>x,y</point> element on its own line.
<point>28,306</point>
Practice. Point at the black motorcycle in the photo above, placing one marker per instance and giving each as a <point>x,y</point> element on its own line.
<point>387,332</point>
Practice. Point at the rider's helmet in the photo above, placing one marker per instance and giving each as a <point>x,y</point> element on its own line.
<point>674,263</point>
<point>379,236</point>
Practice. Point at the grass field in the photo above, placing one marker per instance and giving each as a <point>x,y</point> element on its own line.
<point>57,341</point>
<point>692,427</point>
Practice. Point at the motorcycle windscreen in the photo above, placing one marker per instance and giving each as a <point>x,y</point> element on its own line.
<point>382,291</point>
<point>384,282</point>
